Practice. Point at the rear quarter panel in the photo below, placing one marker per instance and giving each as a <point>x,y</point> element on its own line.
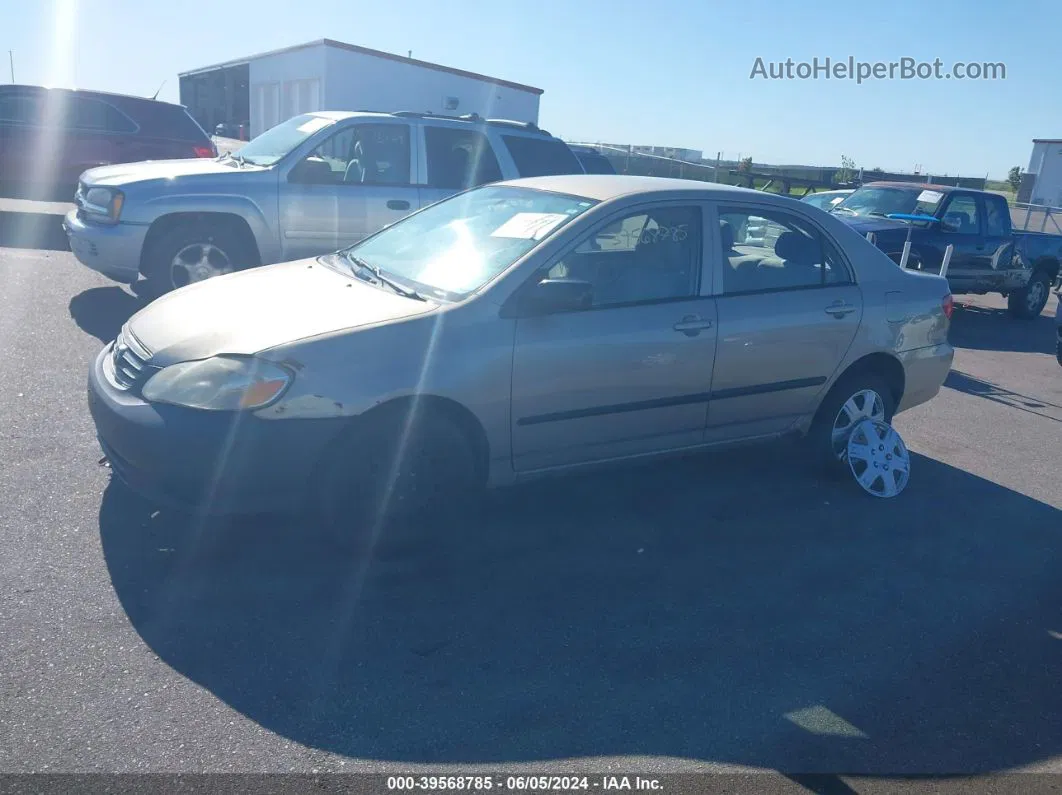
<point>902,310</point>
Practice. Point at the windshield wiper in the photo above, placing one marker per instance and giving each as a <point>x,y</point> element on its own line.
<point>378,276</point>
<point>844,210</point>
<point>239,160</point>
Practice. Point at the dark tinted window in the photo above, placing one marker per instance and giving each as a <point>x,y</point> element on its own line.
<point>540,157</point>
<point>594,163</point>
<point>91,114</point>
<point>459,159</point>
<point>163,120</point>
<point>21,107</point>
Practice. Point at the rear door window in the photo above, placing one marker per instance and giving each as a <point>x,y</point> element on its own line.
<point>459,159</point>
<point>21,108</point>
<point>540,156</point>
<point>163,120</point>
<point>96,116</point>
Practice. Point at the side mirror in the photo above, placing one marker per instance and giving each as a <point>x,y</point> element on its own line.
<point>557,295</point>
<point>949,225</point>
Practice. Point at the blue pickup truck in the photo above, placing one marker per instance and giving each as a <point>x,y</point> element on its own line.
<point>988,256</point>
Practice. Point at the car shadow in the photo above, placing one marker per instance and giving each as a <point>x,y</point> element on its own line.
<point>102,311</point>
<point>990,329</point>
<point>999,394</point>
<point>732,608</point>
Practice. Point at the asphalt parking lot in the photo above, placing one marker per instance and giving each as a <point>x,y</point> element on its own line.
<point>721,612</point>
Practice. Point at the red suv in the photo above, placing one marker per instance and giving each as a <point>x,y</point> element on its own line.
<point>49,136</point>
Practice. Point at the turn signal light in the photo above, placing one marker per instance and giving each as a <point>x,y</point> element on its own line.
<point>948,304</point>
<point>205,151</point>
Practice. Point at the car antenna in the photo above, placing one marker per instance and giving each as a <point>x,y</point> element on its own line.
<point>156,95</point>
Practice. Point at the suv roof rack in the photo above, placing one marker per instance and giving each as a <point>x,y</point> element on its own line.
<point>530,126</point>
<point>416,114</point>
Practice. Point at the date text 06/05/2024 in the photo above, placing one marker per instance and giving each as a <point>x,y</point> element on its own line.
<point>532,783</point>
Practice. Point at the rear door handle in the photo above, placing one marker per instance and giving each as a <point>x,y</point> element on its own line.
<point>692,325</point>
<point>397,204</point>
<point>840,309</point>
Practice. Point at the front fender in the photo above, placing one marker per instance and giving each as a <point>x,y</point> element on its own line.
<point>257,216</point>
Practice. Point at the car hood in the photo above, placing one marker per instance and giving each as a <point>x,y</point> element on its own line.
<point>251,311</point>
<point>864,224</point>
<point>128,173</point>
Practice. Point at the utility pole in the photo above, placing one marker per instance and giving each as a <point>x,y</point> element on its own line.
<point>11,59</point>
<point>718,157</point>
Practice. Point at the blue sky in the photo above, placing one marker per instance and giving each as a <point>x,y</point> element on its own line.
<point>666,73</point>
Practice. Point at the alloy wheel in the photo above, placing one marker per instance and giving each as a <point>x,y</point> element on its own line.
<point>198,262</point>
<point>863,405</point>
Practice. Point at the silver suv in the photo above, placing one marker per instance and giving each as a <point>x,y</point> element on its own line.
<point>313,184</point>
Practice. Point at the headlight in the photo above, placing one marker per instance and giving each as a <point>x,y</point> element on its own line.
<point>104,202</point>
<point>223,383</point>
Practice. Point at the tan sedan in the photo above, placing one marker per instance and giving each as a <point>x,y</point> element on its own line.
<point>525,328</point>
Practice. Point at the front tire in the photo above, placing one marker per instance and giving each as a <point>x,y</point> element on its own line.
<point>391,468</point>
<point>853,398</point>
<point>191,253</point>
<point>1030,300</point>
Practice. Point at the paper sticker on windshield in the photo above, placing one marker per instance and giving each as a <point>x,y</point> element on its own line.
<point>930,196</point>
<point>314,124</point>
<point>529,226</point>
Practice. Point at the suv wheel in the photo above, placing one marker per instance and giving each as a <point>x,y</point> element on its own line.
<point>193,253</point>
<point>854,398</point>
<point>1030,300</point>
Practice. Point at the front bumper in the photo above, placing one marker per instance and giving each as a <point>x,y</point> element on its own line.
<point>113,251</point>
<point>205,461</point>
<point>925,370</point>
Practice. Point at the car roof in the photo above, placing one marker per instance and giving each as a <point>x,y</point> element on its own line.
<point>85,92</point>
<point>913,186</point>
<point>472,119</point>
<point>604,187</point>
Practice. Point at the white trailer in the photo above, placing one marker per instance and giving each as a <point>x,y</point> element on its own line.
<point>1042,182</point>
<point>331,75</point>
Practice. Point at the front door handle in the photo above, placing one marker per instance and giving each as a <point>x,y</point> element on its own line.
<point>840,309</point>
<point>397,204</point>
<point>692,325</point>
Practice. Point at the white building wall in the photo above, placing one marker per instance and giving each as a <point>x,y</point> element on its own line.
<point>286,84</point>
<point>358,81</point>
<point>1047,158</point>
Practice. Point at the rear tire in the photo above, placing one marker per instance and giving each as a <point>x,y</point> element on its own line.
<point>1030,300</point>
<point>854,397</point>
<point>393,468</point>
<point>193,252</point>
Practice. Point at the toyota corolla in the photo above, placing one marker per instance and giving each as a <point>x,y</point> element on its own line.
<point>531,327</point>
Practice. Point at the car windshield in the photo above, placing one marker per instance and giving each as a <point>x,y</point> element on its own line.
<point>885,201</point>
<point>456,246</point>
<point>274,143</point>
<point>824,200</point>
